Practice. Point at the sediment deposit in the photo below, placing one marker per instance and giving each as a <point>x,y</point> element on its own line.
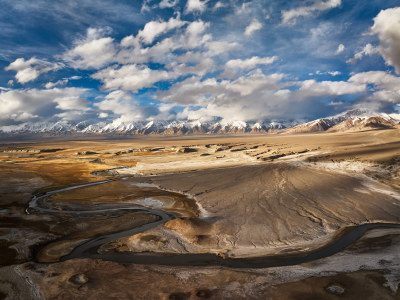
<point>235,197</point>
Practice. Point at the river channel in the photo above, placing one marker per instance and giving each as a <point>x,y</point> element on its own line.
<point>88,249</point>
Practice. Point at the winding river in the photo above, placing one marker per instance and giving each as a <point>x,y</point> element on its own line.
<point>89,248</point>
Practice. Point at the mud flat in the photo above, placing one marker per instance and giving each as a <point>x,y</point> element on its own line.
<point>266,209</point>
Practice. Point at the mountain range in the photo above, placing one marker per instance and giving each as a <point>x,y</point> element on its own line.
<point>352,120</point>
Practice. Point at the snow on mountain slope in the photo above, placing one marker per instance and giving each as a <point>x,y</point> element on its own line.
<point>357,119</point>
<point>352,120</point>
<point>144,128</point>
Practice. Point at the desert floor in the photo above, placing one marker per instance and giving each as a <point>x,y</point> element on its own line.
<point>231,197</point>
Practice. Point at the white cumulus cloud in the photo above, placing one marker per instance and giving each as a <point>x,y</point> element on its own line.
<point>387,27</point>
<point>35,104</point>
<point>368,50</point>
<point>254,26</point>
<point>131,77</point>
<point>290,16</point>
<point>340,49</point>
<point>123,105</point>
<point>63,81</point>
<point>233,66</point>
<point>94,51</point>
<point>155,28</point>
<point>196,6</point>
<point>168,3</point>
<point>386,87</point>
<point>29,70</point>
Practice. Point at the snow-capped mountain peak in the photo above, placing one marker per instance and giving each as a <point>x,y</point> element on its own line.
<point>356,119</point>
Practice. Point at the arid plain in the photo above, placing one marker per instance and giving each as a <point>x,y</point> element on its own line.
<point>273,216</point>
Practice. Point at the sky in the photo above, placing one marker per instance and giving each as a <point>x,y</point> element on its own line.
<point>110,61</point>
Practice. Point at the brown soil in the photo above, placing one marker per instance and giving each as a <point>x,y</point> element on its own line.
<point>253,200</point>
<point>358,285</point>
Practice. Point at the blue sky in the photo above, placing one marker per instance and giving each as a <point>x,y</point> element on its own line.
<point>128,61</point>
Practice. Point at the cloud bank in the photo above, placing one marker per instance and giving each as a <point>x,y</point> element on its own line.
<point>189,62</point>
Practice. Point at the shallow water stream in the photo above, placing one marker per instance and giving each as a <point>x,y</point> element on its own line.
<point>88,249</point>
